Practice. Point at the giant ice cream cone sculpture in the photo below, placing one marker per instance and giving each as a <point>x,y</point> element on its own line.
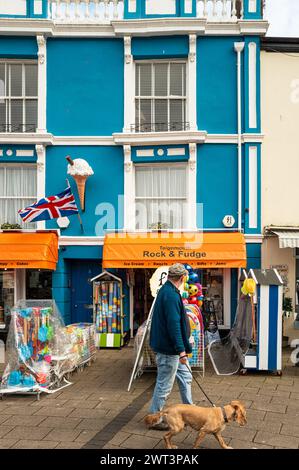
<point>80,170</point>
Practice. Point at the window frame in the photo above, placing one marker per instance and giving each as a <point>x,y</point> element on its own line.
<point>183,98</point>
<point>162,199</point>
<point>8,99</point>
<point>6,198</point>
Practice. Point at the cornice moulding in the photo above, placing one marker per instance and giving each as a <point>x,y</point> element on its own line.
<point>140,27</point>
<point>159,138</point>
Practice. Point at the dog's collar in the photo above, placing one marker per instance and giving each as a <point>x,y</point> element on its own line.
<point>224,415</point>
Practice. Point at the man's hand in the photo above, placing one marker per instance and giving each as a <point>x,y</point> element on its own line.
<point>183,358</point>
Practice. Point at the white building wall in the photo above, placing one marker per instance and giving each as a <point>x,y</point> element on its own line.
<point>280,121</point>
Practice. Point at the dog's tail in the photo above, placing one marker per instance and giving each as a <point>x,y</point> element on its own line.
<point>151,420</point>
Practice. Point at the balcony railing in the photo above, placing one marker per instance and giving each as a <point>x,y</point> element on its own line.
<point>18,128</point>
<point>108,10</point>
<point>78,11</point>
<point>220,10</point>
<point>161,127</point>
<point>105,11</point>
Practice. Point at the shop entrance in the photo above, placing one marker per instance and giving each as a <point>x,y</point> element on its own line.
<point>212,280</point>
<point>81,290</point>
<point>142,296</point>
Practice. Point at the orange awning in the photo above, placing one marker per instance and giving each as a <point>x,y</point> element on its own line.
<point>28,250</point>
<point>200,250</point>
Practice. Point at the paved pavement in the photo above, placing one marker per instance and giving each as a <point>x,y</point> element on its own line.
<point>98,412</point>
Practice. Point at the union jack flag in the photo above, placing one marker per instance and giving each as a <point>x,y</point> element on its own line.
<point>61,205</point>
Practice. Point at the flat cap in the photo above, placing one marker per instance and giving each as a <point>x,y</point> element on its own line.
<point>176,270</point>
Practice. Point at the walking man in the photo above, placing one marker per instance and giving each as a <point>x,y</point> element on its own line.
<point>169,339</point>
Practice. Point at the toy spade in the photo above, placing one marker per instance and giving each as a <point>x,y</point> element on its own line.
<point>24,349</point>
<point>50,332</point>
<point>43,331</point>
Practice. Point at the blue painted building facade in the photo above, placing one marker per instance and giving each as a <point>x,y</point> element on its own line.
<point>89,96</point>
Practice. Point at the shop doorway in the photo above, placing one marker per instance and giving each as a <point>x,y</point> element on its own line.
<point>142,299</point>
<point>216,287</point>
<point>81,290</point>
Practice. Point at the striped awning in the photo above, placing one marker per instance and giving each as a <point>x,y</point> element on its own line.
<point>288,239</point>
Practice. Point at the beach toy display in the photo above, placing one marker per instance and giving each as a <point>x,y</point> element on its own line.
<point>83,337</point>
<point>35,345</point>
<point>108,318</point>
<point>193,300</point>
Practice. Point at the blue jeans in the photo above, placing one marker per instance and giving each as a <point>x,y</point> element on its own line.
<point>169,368</point>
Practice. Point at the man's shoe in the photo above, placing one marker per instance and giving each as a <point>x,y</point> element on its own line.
<point>160,427</point>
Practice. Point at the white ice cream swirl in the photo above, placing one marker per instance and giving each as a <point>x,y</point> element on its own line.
<point>79,167</point>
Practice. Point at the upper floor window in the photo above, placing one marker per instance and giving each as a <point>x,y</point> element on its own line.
<point>17,190</point>
<point>18,96</point>
<point>161,196</point>
<point>160,101</point>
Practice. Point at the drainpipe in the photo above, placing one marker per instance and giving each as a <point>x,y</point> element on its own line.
<point>239,46</point>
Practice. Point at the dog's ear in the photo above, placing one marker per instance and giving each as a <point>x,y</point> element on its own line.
<point>148,420</point>
<point>237,405</point>
<point>240,413</point>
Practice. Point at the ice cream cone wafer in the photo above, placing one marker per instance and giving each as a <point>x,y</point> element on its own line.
<point>81,182</point>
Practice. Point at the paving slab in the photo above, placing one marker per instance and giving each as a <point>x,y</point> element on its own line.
<point>4,417</point>
<point>89,413</point>
<point>7,443</point>
<point>59,422</point>
<point>277,440</point>
<point>92,424</point>
<point>140,442</point>
<point>69,445</point>
<point>290,430</point>
<point>85,436</point>
<point>239,444</point>
<point>82,404</point>
<point>265,406</point>
<point>4,430</point>
<point>287,418</point>
<point>23,420</point>
<point>34,444</point>
<point>53,411</point>
<point>62,434</point>
<point>18,410</point>
<point>119,438</point>
<point>22,432</point>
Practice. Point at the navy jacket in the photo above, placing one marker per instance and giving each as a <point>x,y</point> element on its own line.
<point>170,328</point>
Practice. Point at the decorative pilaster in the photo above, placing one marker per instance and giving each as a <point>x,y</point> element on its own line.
<point>129,86</point>
<point>41,177</point>
<point>42,84</point>
<point>191,178</point>
<point>129,190</point>
<point>191,77</point>
<point>252,9</point>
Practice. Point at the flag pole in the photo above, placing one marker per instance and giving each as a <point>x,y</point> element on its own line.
<point>79,216</point>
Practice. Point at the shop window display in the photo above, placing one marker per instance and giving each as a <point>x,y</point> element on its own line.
<point>38,284</point>
<point>212,281</point>
<point>7,292</point>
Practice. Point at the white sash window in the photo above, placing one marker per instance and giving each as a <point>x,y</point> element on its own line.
<point>161,196</point>
<point>18,96</point>
<point>17,190</point>
<point>160,100</point>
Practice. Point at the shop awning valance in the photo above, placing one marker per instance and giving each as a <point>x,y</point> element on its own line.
<point>28,250</point>
<point>288,239</point>
<point>200,250</point>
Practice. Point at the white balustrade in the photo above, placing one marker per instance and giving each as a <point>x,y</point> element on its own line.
<point>220,10</point>
<point>81,11</point>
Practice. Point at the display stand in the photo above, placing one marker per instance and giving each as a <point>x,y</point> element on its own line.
<point>38,350</point>
<point>108,310</point>
<point>147,361</point>
<point>266,352</point>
